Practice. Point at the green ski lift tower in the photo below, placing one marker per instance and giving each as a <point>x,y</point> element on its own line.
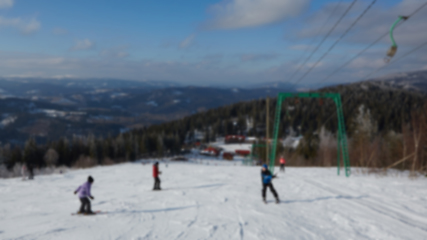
<point>342,148</point>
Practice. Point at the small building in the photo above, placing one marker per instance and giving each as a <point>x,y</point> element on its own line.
<point>227,156</point>
<point>210,151</point>
<point>243,153</point>
<point>234,139</point>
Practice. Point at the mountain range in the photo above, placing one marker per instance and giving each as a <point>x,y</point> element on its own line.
<point>48,109</point>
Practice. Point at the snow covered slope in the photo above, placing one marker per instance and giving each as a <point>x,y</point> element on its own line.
<point>214,202</point>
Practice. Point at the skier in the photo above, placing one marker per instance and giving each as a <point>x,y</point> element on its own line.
<point>30,171</point>
<point>266,178</point>
<point>156,174</point>
<point>24,171</point>
<point>84,195</point>
<point>282,164</point>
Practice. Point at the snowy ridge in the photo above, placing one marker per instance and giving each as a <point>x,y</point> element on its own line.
<point>200,201</point>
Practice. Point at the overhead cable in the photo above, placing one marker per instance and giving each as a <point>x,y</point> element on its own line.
<point>325,37</point>
<point>337,41</point>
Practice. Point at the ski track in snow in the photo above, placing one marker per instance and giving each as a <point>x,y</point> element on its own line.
<point>214,202</point>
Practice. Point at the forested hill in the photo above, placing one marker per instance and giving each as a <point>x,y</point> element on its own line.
<point>385,109</point>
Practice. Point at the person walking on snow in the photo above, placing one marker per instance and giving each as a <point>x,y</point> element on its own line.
<point>30,171</point>
<point>282,164</point>
<point>156,174</point>
<point>24,171</point>
<point>84,195</point>
<point>266,178</point>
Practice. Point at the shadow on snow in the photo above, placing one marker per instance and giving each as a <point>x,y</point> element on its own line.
<point>322,199</point>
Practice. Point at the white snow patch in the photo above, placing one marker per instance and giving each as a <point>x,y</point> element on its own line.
<point>292,142</point>
<point>8,120</point>
<point>152,103</point>
<point>55,113</point>
<point>234,146</point>
<point>65,101</point>
<point>118,95</point>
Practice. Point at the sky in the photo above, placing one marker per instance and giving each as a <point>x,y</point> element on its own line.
<point>205,42</point>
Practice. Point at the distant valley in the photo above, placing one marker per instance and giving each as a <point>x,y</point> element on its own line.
<point>51,109</point>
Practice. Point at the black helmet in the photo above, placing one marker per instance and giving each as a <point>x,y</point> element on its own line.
<point>90,179</point>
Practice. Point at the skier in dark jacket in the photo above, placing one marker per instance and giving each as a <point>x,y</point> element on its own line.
<point>84,195</point>
<point>266,178</point>
<point>30,171</point>
<point>156,174</point>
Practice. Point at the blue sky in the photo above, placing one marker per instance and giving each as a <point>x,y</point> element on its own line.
<point>203,42</point>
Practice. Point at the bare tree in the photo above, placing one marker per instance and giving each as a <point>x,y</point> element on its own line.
<point>51,157</point>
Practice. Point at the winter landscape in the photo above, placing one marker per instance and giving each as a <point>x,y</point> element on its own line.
<point>213,119</point>
<point>217,201</point>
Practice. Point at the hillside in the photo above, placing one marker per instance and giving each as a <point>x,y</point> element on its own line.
<point>214,202</point>
<point>415,81</point>
<point>50,109</point>
<point>384,111</point>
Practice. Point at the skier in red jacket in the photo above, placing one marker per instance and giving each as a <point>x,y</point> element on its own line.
<point>156,173</point>
<point>282,164</point>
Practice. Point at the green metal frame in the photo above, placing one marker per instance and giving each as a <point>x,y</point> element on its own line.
<point>342,148</point>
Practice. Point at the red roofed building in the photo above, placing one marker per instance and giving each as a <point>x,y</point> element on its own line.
<point>210,151</point>
<point>234,139</point>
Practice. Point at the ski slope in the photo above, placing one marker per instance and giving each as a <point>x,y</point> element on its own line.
<point>214,202</point>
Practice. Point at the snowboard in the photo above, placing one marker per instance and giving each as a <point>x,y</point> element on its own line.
<point>277,201</point>
<point>94,213</point>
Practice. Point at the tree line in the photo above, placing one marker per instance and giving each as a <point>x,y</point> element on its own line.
<point>389,110</point>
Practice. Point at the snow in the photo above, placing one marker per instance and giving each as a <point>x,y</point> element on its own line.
<point>118,95</point>
<point>214,202</point>
<point>152,103</point>
<point>8,120</point>
<point>55,113</point>
<point>63,101</point>
<point>232,147</point>
<point>291,142</point>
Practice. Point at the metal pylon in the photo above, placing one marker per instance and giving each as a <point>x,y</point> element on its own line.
<point>342,148</point>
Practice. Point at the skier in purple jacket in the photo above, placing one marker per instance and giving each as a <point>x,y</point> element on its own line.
<point>84,195</point>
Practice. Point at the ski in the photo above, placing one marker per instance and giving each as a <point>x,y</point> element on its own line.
<point>84,214</point>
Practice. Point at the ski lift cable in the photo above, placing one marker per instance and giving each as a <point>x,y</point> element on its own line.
<point>354,58</point>
<point>337,41</point>
<point>313,39</point>
<point>369,46</point>
<point>417,10</point>
<point>393,49</point>
<point>324,38</point>
<point>377,70</point>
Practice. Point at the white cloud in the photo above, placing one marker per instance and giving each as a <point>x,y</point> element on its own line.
<point>366,63</point>
<point>30,27</point>
<point>6,3</point>
<point>84,44</point>
<point>234,14</point>
<point>188,41</point>
<point>59,31</point>
<point>257,57</point>
<point>25,26</point>
<point>301,47</point>
<point>118,52</point>
<point>377,21</point>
